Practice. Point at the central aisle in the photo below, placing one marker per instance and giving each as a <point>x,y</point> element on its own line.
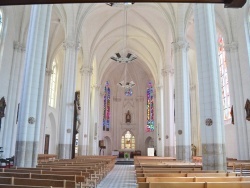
<point>120,176</point>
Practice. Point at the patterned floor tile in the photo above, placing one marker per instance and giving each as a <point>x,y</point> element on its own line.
<point>120,177</point>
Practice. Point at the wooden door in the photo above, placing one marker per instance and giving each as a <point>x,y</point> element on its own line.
<point>46,145</point>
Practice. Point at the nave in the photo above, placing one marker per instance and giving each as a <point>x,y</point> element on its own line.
<point>120,176</point>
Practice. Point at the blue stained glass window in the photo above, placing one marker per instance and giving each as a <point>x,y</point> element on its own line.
<point>106,107</point>
<point>150,108</point>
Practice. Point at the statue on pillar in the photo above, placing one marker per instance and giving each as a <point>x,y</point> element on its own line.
<point>128,117</point>
<point>78,112</point>
<point>2,108</point>
<point>232,114</point>
<point>247,107</point>
<point>193,149</point>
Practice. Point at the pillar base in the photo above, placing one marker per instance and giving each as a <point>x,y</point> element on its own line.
<point>213,157</point>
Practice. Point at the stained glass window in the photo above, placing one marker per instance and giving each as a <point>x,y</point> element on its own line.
<point>224,79</point>
<point>53,84</point>
<point>150,108</point>
<point>106,107</point>
<point>128,141</point>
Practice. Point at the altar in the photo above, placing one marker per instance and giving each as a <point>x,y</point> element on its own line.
<point>123,151</point>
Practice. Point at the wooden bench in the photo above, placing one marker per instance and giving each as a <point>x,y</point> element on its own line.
<point>46,157</point>
<point>195,185</point>
<point>22,186</point>
<point>37,182</point>
<point>197,179</point>
<point>143,179</point>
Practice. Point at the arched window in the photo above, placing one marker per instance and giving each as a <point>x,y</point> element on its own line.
<point>224,79</point>
<point>150,108</point>
<point>128,141</point>
<point>53,84</point>
<point>106,107</point>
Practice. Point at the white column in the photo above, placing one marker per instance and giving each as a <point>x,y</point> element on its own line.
<point>168,111</point>
<point>93,135</point>
<point>237,99</point>
<point>67,100</point>
<point>44,111</point>
<point>139,139</point>
<point>211,117</point>
<point>83,142</point>
<point>9,127</point>
<point>195,125</point>
<point>159,122</point>
<point>32,93</point>
<point>182,101</point>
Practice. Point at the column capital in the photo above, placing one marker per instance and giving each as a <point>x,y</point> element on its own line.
<point>169,70</point>
<point>95,86</point>
<point>192,87</point>
<point>49,72</point>
<point>68,44</point>
<point>86,70</point>
<point>233,46</point>
<point>19,47</point>
<point>180,45</point>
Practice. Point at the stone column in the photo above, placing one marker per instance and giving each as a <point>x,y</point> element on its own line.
<point>84,131</point>
<point>168,111</point>
<point>139,142</point>
<point>93,141</point>
<point>33,85</point>
<point>116,123</point>
<point>67,98</point>
<point>182,101</point>
<point>237,99</point>
<point>159,122</point>
<point>9,128</point>
<point>195,125</point>
<point>44,111</point>
<point>211,117</point>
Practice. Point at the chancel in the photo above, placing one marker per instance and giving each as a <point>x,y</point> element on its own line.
<point>95,86</point>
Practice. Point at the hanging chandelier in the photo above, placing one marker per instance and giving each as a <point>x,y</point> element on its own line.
<point>125,57</point>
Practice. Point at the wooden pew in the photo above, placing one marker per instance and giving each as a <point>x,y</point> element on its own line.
<point>22,186</point>
<point>200,185</point>
<point>46,157</point>
<point>197,179</point>
<point>143,179</point>
<point>37,182</point>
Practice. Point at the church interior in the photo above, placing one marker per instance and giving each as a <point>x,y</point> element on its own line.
<point>152,85</point>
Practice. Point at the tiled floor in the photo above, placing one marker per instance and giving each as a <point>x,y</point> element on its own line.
<point>120,176</point>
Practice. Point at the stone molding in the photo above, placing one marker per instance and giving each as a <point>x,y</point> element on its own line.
<point>19,47</point>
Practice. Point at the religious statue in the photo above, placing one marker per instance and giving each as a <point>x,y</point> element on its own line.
<point>2,108</point>
<point>247,107</point>
<point>128,117</point>
<point>193,149</point>
<point>78,112</point>
<point>232,114</point>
